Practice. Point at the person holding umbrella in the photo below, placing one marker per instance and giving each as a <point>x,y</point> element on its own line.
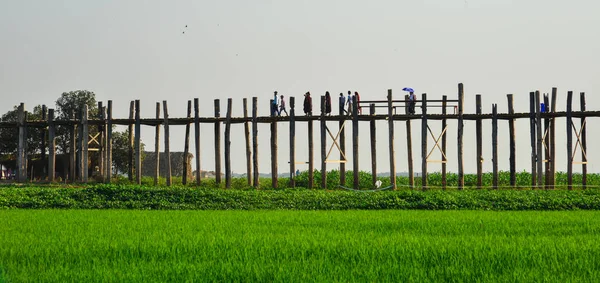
<point>411,99</point>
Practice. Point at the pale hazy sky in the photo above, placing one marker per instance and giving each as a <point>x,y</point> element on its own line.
<point>125,50</point>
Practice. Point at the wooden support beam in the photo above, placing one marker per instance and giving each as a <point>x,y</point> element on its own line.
<point>197,140</point>
<point>547,141</point>
<point>311,165</point>
<point>228,144</point>
<point>274,148</point>
<point>583,144</point>
<point>100,127</point>
<point>461,174</point>
<point>569,140</point>
<point>409,157</point>
<point>72,149</point>
<point>392,150</point>
<point>539,146</point>
<point>532,132</point>
<point>157,147</point>
<point>247,140</point>
<point>355,151</point>
<point>444,159</point>
<point>21,151</point>
<point>479,137</point>
<point>43,137</point>
<point>292,142</point>
<point>186,146</point>
<point>51,146</point>
<point>255,142</point>
<point>424,141</point>
<point>512,142</point>
<point>373,131</point>
<point>217,143</point>
<point>85,134</point>
<point>130,144</point>
<point>495,146</point>
<point>167,142</point>
<point>342,140</point>
<point>109,145</point>
<point>80,146</point>
<point>323,145</point>
<point>138,142</point>
<point>553,139</point>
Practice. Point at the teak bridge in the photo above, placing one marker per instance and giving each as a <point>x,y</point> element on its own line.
<point>542,116</point>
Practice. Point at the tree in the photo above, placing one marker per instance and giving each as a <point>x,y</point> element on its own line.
<point>121,151</point>
<point>67,106</point>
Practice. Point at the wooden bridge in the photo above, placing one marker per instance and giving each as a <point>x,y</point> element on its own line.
<point>542,138</point>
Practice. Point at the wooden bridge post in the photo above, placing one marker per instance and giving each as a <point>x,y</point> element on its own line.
<point>51,146</point>
<point>130,144</point>
<point>495,146</point>
<point>247,140</point>
<point>138,147</point>
<point>197,140</point>
<point>292,142</point>
<point>342,139</point>
<point>323,145</point>
<point>72,148</point>
<point>392,151</point>
<point>79,169</point>
<point>43,137</point>
<point>355,143</point>
<point>255,142</point>
<point>109,148</point>
<point>21,151</point>
<point>409,157</point>
<point>157,146</point>
<point>548,140</point>
<point>532,138</point>
<point>186,146</point>
<point>373,143</point>
<point>228,144</point>
<point>461,174</point>
<point>167,142</point>
<point>274,168</point>
<point>444,125</point>
<point>424,141</point>
<point>538,127</point>
<point>512,142</point>
<point>569,140</point>
<point>479,137</point>
<point>101,144</point>
<point>85,136</point>
<point>217,142</point>
<point>583,142</point>
<point>553,139</point>
<point>311,166</point>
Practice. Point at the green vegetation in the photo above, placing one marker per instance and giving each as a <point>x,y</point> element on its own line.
<point>289,246</point>
<point>178,197</point>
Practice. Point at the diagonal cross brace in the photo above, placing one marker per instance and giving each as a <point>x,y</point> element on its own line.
<point>579,143</point>
<point>437,143</point>
<point>335,143</point>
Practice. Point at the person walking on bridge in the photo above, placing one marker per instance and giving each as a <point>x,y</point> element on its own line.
<point>307,104</point>
<point>282,106</point>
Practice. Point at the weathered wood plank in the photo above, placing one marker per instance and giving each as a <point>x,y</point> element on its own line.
<point>167,142</point>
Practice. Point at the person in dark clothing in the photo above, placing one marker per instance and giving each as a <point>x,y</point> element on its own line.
<point>307,104</point>
<point>274,110</point>
<point>327,103</point>
<point>411,102</point>
<point>342,103</point>
<point>357,97</point>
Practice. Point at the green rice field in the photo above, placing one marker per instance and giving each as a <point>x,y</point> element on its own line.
<point>292,246</point>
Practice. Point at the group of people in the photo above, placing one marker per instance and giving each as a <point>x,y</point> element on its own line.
<point>278,104</point>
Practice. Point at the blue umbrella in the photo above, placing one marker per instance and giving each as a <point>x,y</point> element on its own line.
<point>408,89</point>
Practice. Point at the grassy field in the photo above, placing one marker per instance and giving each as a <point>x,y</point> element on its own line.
<point>320,246</point>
